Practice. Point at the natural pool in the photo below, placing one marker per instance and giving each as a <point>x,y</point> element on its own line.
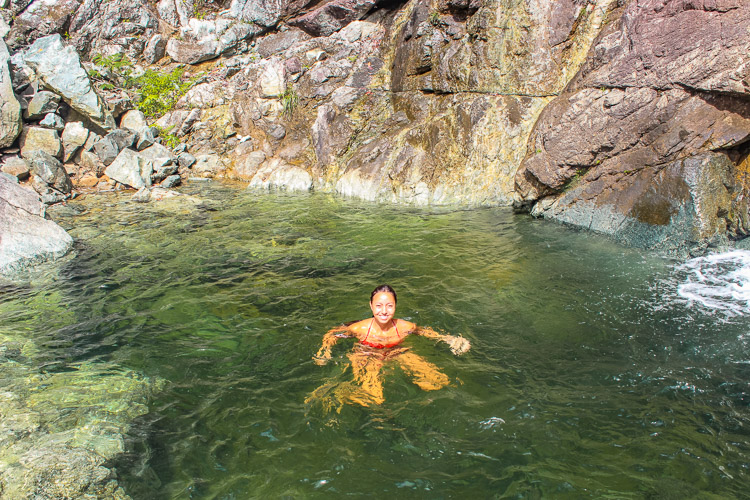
<point>595,371</point>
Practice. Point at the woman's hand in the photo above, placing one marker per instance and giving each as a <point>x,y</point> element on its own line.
<point>321,358</point>
<point>457,344</point>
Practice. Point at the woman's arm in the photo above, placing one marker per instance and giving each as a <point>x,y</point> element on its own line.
<point>329,340</point>
<point>457,343</point>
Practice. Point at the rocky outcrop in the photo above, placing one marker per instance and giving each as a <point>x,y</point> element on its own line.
<point>658,115</point>
<point>26,236</point>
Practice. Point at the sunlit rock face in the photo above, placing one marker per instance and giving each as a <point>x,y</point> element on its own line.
<point>450,98</point>
<point>652,131</point>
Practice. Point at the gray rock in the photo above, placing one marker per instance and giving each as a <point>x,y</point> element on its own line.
<point>122,138</point>
<point>332,16</point>
<point>26,235</point>
<point>10,177</point>
<point>171,181</point>
<point>108,147</point>
<point>277,131</point>
<point>10,108</point>
<point>246,166</point>
<point>16,167</point>
<point>41,19</point>
<point>193,118</point>
<point>59,67</point>
<point>209,165</point>
<point>163,172</point>
<point>131,169</point>
<point>53,121</point>
<point>266,13</point>
<point>143,195</point>
<point>277,174</point>
<point>280,41</point>
<point>50,171</point>
<point>134,120</point>
<point>41,104</point>
<point>176,12</point>
<point>155,49</point>
<point>90,162</point>
<point>158,155</point>
<point>43,139</point>
<point>186,160</point>
<point>189,52</point>
<point>146,138</point>
<point>74,137</point>
<point>114,26</point>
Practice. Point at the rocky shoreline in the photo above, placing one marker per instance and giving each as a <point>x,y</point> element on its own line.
<point>616,116</point>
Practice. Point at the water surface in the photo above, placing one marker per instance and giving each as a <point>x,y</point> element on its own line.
<point>595,371</point>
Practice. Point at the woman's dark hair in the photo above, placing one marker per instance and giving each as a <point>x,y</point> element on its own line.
<point>384,288</point>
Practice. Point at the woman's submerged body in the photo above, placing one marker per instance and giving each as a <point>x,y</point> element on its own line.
<point>379,342</point>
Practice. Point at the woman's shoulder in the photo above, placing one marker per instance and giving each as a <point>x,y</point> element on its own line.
<point>405,326</point>
<point>357,326</point>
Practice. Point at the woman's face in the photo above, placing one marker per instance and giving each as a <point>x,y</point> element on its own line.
<point>383,307</point>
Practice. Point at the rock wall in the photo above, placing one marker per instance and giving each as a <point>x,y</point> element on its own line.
<point>583,111</point>
<point>649,142</point>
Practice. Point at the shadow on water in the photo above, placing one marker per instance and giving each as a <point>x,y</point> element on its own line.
<point>589,375</point>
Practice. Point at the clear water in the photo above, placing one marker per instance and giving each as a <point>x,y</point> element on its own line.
<point>594,372</point>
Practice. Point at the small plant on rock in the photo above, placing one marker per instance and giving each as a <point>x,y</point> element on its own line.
<point>289,101</point>
<point>434,18</point>
<point>159,92</point>
<point>168,139</point>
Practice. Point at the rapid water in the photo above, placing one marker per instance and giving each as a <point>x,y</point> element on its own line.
<point>595,371</point>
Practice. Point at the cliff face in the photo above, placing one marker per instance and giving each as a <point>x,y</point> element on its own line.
<point>649,142</point>
<point>626,117</point>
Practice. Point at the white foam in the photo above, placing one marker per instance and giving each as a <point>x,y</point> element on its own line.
<point>718,283</point>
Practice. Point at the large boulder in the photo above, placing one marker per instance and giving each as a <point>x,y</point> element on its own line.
<point>10,108</point>
<point>74,136</point>
<point>682,206</point>
<point>131,169</point>
<point>41,103</point>
<point>108,147</point>
<point>58,66</point>
<point>50,171</point>
<point>40,139</point>
<point>27,237</point>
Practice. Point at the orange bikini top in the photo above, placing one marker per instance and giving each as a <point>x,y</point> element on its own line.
<point>381,346</point>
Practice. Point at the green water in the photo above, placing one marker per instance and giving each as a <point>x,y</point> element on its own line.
<point>588,377</point>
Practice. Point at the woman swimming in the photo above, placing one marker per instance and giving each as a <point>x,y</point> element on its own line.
<point>379,341</point>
